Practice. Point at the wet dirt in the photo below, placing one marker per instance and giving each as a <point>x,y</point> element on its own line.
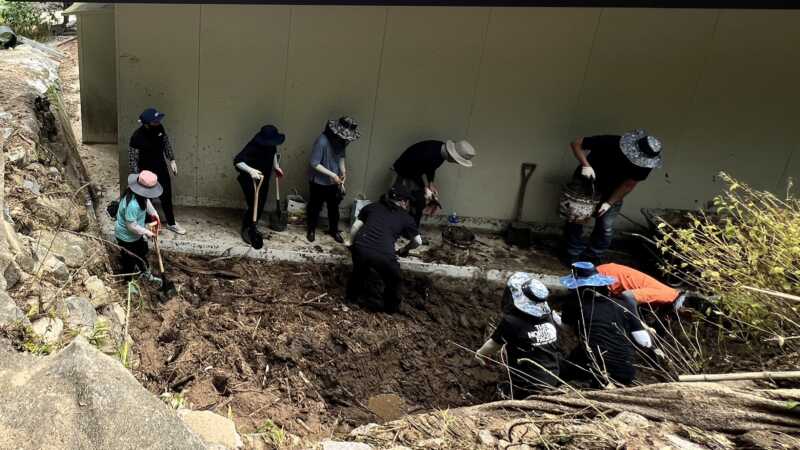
<point>276,342</point>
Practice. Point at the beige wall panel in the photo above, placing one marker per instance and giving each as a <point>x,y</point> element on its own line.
<point>242,78</point>
<point>98,77</point>
<point>428,77</point>
<point>157,50</point>
<point>744,118</point>
<point>334,56</point>
<point>530,78</point>
<point>643,73</point>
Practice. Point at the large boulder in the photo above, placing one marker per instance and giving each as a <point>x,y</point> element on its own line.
<point>48,329</point>
<point>81,398</point>
<point>59,212</point>
<point>10,314</point>
<point>73,250</point>
<point>212,428</point>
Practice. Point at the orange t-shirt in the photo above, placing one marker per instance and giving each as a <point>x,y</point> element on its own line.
<point>645,288</point>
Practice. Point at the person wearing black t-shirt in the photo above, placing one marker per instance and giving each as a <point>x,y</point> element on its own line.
<point>610,168</point>
<point>528,330</point>
<point>373,237</point>
<point>607,326</point>
<point>255,162</point>
<point>416,169</point>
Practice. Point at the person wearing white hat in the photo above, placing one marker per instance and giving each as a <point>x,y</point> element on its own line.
<point>610,168</point>
<point>416,170</point>
<point>529,332</point>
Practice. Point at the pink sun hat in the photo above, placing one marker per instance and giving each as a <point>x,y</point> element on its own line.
<point>145,183</point>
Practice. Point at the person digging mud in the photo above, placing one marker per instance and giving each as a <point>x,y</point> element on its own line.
<point>130,230</point>
<point>416,170</point>
<point>605,325</point>
<point>329,175</point>
<point>610,168</point>
<point>254,163</point>
<point>149,149</point>
<point>528,329</point>
<point>373,238</point>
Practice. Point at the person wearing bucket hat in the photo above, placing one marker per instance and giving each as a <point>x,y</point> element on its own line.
<point>373,238</point>
<point>257,160</point>
<point>150,149</point>
<point>328,174</point>
<point>529,331</point>
<point>605,324</point>
<point>416,169</point>
<point>610,167</point>
<point>130,230</point>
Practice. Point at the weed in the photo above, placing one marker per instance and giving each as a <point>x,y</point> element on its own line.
<point>25,18</point>
<point>273,434</point>
<point>133,289</point>
<point>174,400</point>
<point>99,334</point>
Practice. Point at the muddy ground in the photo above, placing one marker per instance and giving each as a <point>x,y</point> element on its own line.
<point>276,342</point>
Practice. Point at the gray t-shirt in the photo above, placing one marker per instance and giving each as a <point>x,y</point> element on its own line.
<point>323,153</point>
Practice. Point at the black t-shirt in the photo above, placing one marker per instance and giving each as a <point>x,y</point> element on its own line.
<point>606,324</point>
<point>257,156</point>
<point>383,224</point>
<point>422,158</point>
<point>611,166</point>
<point>151,143</point>
<point>534,338</point>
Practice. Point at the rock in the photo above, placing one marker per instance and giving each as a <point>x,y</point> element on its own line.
<point>73,250</point>
<point>10,314</point>
<point>25,262</point>
<point>80,398</point>
<point>11,271</point>
<point>59,212</point>
<point>17,157</point>
<point>99,293</point>
<point>32,186</point>
<point>387,406</point>
<point>432,443</point>
<point>49,330</point>
<point>344,445</point>
<point>631,419</point>
<point>212,428</point>
<point>364,430</point>
<point>36,168</point>
<point>768,440</point>
<point>487,439</point>
<point>80,314</point>
<point>54,269</point>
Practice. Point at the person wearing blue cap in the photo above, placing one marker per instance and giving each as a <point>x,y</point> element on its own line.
<point>149,149</point>
<point>529,332</point>
<point>605,325</point>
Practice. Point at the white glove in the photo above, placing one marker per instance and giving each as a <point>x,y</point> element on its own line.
<point>428,194</point>
<point>588,172</point>
<point>174,167</point>
<point>256,174</point>
<point>149,234</point>
<point>603,208</point>
<point>660,353</point>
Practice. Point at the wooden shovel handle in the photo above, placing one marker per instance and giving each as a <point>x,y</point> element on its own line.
<point>257,187</point>
<point>158,254</point>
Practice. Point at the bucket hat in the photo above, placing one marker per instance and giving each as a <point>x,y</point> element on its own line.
<point>641,149</point>
<point>462,152</point>
<point>529,294</point>
<point>585,274</point>
<point>269,135</point>
<point>145,183</point>
<point>345,127</point>
<point>151,115</point>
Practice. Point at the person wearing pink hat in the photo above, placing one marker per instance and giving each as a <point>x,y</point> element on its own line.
<point>130,230</point>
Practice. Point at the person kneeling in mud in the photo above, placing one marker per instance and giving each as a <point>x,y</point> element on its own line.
<point>607,326</point>
<point>528,329</point>
<point>373,238</point>
<point>130,230</point>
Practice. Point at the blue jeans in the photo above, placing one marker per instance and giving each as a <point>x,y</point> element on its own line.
<point>600,239</point>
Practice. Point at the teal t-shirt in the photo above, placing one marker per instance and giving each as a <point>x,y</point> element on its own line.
<point>128,213</point>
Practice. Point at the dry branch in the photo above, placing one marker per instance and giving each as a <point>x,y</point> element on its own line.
<point>740,376</point>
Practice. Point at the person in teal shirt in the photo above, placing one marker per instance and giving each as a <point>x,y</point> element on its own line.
<point>130,229</point>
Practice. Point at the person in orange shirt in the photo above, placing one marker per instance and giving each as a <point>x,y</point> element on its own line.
<point>638,288</point>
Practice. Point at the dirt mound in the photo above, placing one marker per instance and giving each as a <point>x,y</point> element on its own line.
<point>276,342</point>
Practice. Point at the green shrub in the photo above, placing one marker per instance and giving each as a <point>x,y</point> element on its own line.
<point>25,18</point>
<point>750,239</point>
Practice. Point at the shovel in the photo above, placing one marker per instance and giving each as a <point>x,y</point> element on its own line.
<point>519,233</point>
<point>255,238</point>
<point>279,218</point>
<point>167,286</point>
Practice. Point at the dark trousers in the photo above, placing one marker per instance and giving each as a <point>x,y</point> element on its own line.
<point>581,367</point>
<point>418,203</point>
<point>600,239</point>
<point>166,197</point>
<point>248,188</point>
<point>387,268</point>
<point>319,194</point>
<point>130,263</point>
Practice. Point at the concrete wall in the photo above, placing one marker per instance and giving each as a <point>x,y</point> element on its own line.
<point>98,76</point>
<point>719,87</point>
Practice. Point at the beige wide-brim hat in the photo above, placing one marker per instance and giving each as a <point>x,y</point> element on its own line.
<point>462,152</point>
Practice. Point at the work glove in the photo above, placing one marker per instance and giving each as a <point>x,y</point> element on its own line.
<point>256,175</point>
<point>603,208</point>
<point>481,359</point>
<point>659,353</point>
<point>149,234</point>
<point>279,172</point>
<point>174,167</point>
<point>588,172</point>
